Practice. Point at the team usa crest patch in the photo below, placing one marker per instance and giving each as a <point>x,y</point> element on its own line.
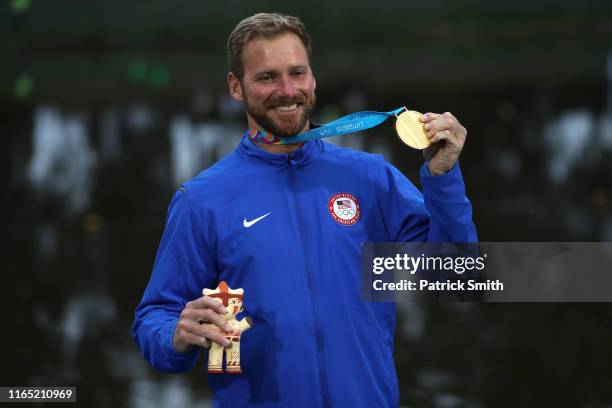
<point>344,208</point>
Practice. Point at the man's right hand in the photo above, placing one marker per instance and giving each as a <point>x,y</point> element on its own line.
<point>192,330</point>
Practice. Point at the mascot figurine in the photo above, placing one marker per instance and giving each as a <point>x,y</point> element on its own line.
<point>232,300</point>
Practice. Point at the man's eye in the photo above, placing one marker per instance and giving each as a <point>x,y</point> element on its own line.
<point>298,73</point>
<point>266,78</point>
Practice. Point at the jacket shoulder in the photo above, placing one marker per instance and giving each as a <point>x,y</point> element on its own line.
<point>346,154</point>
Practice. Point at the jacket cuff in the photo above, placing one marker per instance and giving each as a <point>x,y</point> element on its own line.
<point>452,176</point>
<point>444,195</point>
<point>180,359</point>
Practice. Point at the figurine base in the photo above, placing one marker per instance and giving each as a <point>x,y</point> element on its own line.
<point>227,371</point>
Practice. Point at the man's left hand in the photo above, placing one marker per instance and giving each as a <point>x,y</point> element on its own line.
<point>447,139</point>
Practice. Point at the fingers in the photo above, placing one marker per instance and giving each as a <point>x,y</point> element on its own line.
<point>205,342</point>
<point>206,302</point>
<point>194,339</point>
<point>213,333</point>
<point>200,322</point>
<point>436,122</point>
<point>206,310</point>
<point>429,116</point>
<point>198,334</point>
<point>205,316</point>
<point>442,135</point>
<point>447,137</point>
<point>445,127</point>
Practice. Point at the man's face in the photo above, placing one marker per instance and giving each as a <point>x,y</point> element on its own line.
<point>278,87</point>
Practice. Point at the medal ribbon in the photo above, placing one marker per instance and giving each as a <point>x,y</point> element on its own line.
<point>354,122</point>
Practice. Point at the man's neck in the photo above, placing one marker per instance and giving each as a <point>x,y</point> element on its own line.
<point>280,149</point>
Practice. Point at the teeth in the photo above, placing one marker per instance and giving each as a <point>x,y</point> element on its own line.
<point>286,108</point>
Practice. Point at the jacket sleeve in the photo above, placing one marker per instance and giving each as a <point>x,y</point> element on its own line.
<point>449,208</point>
<point>441,213</point>
<point>183,267</point>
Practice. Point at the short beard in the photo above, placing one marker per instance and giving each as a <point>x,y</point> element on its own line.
<point>263,119</point>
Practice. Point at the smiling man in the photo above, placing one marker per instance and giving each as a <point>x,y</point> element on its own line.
<point>286,224</point>
<point>271,75</point>
<point>273,79</point>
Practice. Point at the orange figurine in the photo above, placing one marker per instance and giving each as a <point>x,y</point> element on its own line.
<point>232,300</point>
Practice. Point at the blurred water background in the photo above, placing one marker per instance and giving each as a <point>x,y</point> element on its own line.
<point>107,106</point>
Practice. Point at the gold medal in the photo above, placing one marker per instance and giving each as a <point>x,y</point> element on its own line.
<point>410,129</point>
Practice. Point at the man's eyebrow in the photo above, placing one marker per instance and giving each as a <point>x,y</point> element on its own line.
<point>276,72</point>
<point>305,67</point>
<point>266,72</point>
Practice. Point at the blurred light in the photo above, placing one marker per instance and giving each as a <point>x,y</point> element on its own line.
<point>20,6</point>
<point>160,77</point>
<point>92,223</point>
<point>599,197</point>
<point>568,136</point>
<point>508,162</point>
<point>63,159</point>
<point>195,146</point>
<point>137,71</point>
<point>140,118</point>
<point>24,86</point>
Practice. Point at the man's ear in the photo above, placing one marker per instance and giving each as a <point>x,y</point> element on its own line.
<point>235,89</point>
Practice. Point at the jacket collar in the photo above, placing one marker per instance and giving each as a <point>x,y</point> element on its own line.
<point>249,151</point>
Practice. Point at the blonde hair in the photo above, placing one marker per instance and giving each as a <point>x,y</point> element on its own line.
<point>266,25</point>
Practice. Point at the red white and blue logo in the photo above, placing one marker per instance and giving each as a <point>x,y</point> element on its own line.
<point>344,208</point>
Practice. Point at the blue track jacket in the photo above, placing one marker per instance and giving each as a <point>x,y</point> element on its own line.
<point>314,343</point>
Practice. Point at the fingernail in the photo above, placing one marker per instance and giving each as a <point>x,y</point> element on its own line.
<point>427,126</point>
<point>226,342</point>
<point>224,309</point>
<point>227,327</point>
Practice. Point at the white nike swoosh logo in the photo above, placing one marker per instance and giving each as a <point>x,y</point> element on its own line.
<point>248,224</point>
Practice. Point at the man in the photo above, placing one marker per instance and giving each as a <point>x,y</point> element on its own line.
<point>286,223</point>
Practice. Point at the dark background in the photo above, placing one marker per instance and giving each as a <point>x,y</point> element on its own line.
<point>107,106</point>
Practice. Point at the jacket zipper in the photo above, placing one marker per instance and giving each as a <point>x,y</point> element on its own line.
<point>318,334</point>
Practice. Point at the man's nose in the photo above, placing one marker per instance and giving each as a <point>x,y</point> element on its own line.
<point>286,87</point>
